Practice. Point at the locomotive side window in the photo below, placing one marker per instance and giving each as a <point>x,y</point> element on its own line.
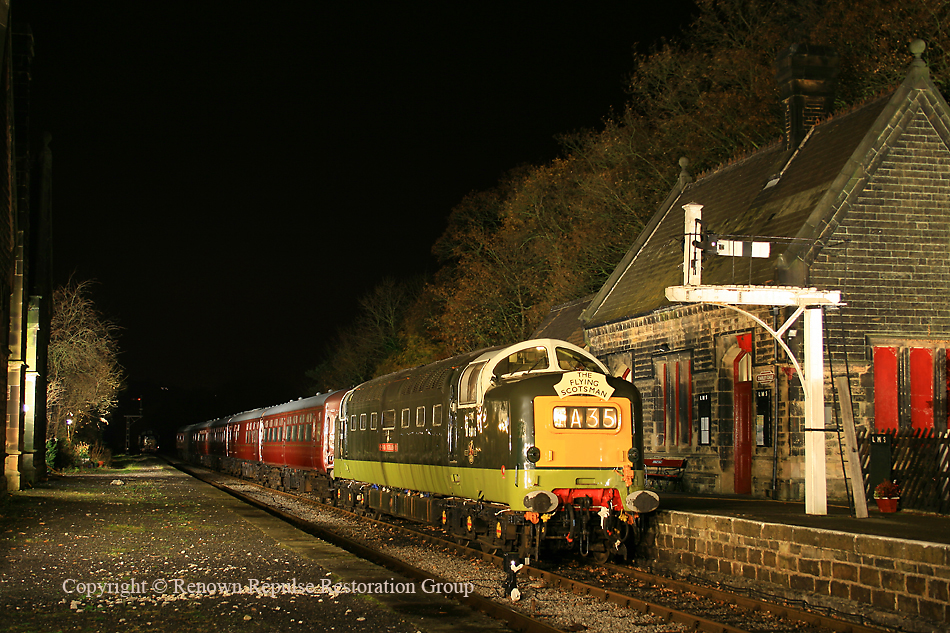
<point>468,384</point>
<point>437,415</point>
<point>353,422</point>
<point>389,419</point>
<point>362,421</point>
<point>603,418</point>
<point>372,421</point>
<point>405,418</point>
<point>420,416</point>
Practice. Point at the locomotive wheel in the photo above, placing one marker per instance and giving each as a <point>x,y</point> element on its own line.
<point>488,548</point>
<point>600,557</point>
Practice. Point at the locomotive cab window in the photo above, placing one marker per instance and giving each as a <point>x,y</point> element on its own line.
<point>572,361</point>
<point>524,360</point>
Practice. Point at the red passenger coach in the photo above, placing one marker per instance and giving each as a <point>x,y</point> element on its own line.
<point>289,446</point>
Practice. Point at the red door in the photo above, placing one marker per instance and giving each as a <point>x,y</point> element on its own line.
<point>743,437</point>
<point>744,429</point>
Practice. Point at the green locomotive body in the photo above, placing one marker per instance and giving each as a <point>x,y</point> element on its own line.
<point>525,448</point>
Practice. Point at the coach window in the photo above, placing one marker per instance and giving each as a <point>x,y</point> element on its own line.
<point>372,421</point>
<point>405,418</point>
<point>362,421</point>
<point>420,416</point>
<point>309,433</point>
<point>437,415</point>
<point>389,419</point>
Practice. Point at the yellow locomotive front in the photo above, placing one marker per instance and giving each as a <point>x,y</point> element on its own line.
<point>582,447</point>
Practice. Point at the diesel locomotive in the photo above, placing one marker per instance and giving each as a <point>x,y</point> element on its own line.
<point>532,448</point>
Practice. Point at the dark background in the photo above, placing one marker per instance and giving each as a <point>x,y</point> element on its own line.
<point>234,175</point>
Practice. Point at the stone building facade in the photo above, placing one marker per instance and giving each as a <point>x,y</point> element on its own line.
<point>25,260</point>
<point>859,203</point>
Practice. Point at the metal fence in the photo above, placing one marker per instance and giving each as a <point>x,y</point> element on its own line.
<point>919,461</point>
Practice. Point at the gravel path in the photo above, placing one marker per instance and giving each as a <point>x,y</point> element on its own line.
<point>147,548</point>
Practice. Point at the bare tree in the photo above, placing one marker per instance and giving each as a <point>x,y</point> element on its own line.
<point>84,372</point>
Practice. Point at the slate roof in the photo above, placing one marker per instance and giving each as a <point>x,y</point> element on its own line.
<point>563,322</point>
<point>775,193</point>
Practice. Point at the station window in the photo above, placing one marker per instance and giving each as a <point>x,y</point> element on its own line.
<point>405,418</point>
<point>674,374</point>
<point>437,415</point>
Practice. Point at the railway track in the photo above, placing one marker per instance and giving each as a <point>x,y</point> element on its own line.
<point>681,606</point>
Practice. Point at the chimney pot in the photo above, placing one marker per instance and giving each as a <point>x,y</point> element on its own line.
<point>806,76</point>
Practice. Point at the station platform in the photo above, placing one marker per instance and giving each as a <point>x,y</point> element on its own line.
<point>144,547</point>
<point>904,524</point>
<point>891,570</point>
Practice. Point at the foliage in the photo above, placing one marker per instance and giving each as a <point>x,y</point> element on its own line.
<point>52,446</point>
<point>84,372</point>
<point>99,452</point>
<point>551,233</point>
<point>376,335</point>
<point>887,490</point>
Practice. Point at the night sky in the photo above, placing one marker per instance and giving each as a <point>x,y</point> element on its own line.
<point>234,175</point>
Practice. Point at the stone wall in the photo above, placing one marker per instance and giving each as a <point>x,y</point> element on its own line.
<point>901,576</point>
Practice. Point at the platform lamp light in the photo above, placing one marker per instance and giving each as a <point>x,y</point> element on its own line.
<point>69,428</point>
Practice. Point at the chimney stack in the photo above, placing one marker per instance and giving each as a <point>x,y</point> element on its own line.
<point>806,76</point>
